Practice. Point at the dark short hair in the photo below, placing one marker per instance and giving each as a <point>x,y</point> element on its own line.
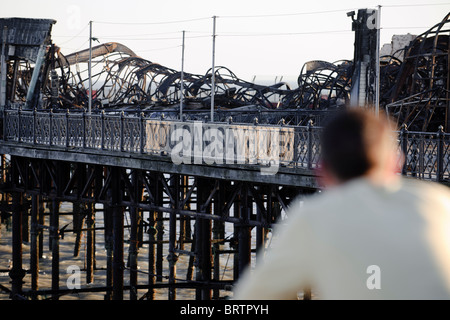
<point>351,140</point>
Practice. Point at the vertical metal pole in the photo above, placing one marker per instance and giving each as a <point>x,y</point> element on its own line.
<point>218,234</point>
<point>236,229</point>
<point>244,232</point>
<point>118,265</point>
<point>133,248</point>
<point>141,132</point>
<point>89,68</point>
<point>103,130</point>
<point>41,221</point>
<point>17,273</point>
<point>440,155</point>
<point>377,70</point>
<point>83,126</point>
<point>34,254</point>
<point>50,127</point>
<point>213,77</point>
<point>172,257</point>
<point>310,144</point>
<point>25,226</point>
<point>90,224</point>
<point>404,147</point>
<point>159,228</point>
<point>182,80</point>
<point>203,239</point>
<point>34,126</point>
<point>107,218</point>
<point>19,124</point>
<point>121,142</point>
<point>67,129</point>
<point>54,234</point>
<point>151,255</point>
<point>260,233</point>
<point>77,226</point>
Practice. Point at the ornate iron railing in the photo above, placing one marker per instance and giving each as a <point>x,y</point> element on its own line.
<point>195,142</point>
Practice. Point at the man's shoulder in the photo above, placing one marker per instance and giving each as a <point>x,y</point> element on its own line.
<point>359,191</point>
<point>426,188</point>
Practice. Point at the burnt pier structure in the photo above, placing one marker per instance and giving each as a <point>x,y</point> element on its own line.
<point>132,201</point>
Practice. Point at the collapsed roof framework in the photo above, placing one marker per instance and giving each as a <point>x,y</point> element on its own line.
<point>419,96</point>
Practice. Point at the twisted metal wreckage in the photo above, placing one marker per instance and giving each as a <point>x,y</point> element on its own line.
<point>415,91</point>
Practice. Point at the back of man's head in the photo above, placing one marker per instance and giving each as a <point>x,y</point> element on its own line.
<point>356,142</point>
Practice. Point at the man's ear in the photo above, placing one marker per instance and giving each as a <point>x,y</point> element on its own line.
<point>400,162</point>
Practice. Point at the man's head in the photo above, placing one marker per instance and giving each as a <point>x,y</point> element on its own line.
<point>357,143</point>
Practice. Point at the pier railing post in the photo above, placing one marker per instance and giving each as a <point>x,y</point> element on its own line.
<point>310,143</point>
<point>103,130</point>
<point>50,129</point>
<point>67,128</point>
<point>121,131</point>
<point>19,124</point>
<point>404,146</point>
<point>83,127</point>
<point>34,126</point>
<point>440,155</point>
<point>141,132</point>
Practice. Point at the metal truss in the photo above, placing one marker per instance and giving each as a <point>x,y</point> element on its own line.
<point>193,210</point>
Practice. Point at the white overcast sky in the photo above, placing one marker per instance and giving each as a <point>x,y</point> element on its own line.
<point>263,38</point>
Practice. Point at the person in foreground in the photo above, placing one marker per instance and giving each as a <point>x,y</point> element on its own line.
<point>370,234</point>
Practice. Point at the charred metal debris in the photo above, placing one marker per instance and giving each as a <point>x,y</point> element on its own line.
<point>414,90</point>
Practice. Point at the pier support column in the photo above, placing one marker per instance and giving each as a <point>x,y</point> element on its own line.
<point>54,236</point>
<point>134,237</point>
<point>159,199</point>
<point>78,219</point>
<point>218,234</point>
<point>151,254</point>
<point>244,248</point>
<point>41,222</point>
<point>107,218</point>
<point>172,257</point>
<point>90,243</point>
<point>17,272</point>
<point>203,239</point>
<point>118,264</point>
<point>155,234</point>
<point>34,246</point>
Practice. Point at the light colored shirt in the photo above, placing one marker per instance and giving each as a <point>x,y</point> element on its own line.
<point>360,241</point>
